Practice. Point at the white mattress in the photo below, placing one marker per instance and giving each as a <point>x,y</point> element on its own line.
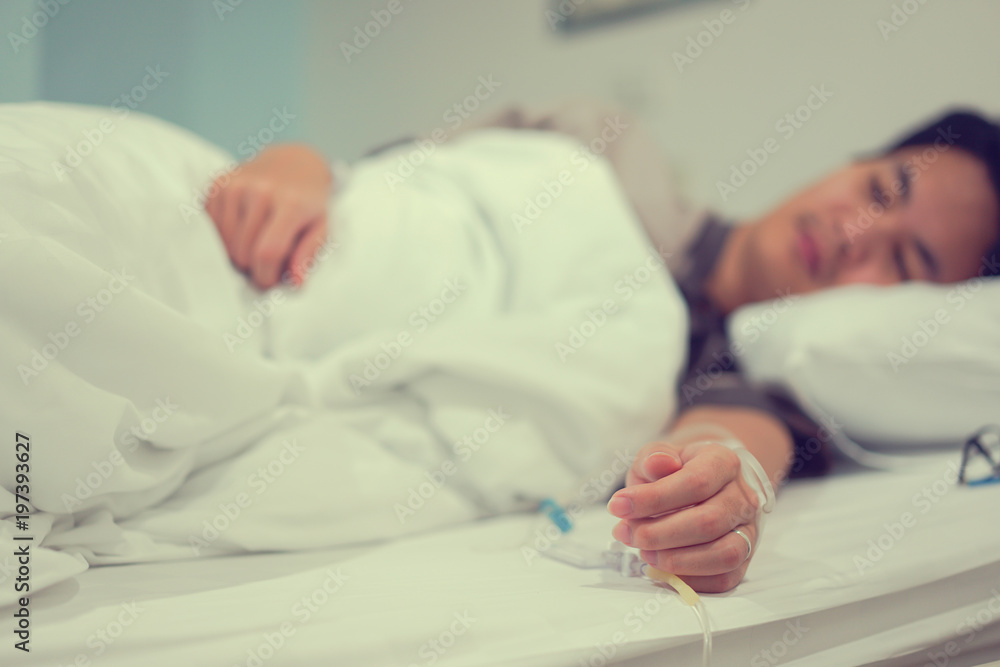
<point>393,599</point>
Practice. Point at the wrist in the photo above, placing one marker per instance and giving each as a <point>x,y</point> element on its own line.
<point>750,468</point>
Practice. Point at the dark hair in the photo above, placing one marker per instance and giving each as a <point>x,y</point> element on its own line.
<point>975,134</point>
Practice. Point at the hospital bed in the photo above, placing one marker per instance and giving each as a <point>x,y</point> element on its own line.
<point>865,567</point>
<point>897,567</point>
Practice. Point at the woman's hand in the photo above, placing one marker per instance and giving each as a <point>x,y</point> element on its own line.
<point>271,212</point>
<point>680,505</point>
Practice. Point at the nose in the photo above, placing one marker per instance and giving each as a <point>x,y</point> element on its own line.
<point>858,240</point>
<point>847,239</point>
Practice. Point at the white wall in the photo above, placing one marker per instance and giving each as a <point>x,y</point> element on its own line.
<point>761,67</point>
<point>228,72</point>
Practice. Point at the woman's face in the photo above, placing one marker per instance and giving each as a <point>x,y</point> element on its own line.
<point>921,213</point>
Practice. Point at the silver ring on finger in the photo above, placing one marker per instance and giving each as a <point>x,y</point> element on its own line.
<point>749,543</point>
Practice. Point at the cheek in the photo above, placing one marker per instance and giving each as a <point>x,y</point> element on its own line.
<point>778,268</point>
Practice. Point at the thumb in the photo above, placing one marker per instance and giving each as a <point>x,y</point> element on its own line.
<point>655,461</point>
<point>660,464</point>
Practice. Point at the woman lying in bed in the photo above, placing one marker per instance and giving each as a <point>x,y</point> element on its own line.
<point>926,209</point>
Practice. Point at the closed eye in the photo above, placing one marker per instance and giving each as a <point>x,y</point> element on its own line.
<point>878,192</point>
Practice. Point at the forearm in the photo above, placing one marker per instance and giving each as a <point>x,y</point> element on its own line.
<point>763,434</point>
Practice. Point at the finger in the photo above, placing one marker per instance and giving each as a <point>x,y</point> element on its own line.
<point>647,468</point>
<point>698,524</point>
<point>655,466</point>
<point>695,525</point>
<point>274,245</point>
<point>707,469</point>
<point>256,211</point>
<point>303,257</point>
<point>726,554</point>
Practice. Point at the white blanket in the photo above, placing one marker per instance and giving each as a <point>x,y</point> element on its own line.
<point>476,336</point>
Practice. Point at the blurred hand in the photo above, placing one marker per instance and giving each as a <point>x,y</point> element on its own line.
<point>271,212</point>
<point>680,504</point>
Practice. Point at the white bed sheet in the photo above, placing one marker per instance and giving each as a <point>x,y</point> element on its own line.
<point>393,599</point>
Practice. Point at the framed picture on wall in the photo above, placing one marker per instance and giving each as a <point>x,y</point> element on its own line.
<point>572,15</point>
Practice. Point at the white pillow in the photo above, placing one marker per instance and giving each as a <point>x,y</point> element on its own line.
<point>907,365</point>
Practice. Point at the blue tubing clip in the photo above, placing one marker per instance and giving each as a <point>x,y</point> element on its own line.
<point>557,514</point>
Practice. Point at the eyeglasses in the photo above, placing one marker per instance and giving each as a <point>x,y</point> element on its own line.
<point>981,457</point>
